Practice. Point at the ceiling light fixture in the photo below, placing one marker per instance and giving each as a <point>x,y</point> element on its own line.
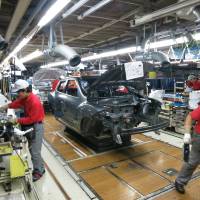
<point>74,8</point>
<point>52,12</point>
<point>196,36</point>
<point>16,50</point>
<point>166,43</point>
<point>93,9</point>
<point>158,44</point>
<point>55,64</point>
<point>32,56</point>
<point>112,53</point>
<point>57,7</point>
<point>97,56</point>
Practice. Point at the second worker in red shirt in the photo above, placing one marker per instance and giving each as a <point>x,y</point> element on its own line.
<point>189,167</point>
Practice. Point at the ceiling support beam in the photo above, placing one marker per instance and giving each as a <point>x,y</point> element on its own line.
<point>20,10</point>
<point>108,40</point>
<point>107,25</point>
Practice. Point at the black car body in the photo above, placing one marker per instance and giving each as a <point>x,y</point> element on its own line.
<point>105,107</point>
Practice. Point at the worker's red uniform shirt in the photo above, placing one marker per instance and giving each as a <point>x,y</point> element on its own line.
<point>195,85</point>
<point>33,109</point>
<point>195,114</point>
<point>54,85</point>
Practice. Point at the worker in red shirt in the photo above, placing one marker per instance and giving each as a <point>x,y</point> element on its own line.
<point>194,159</point>
<point>193,82</point>
<point>34,116</point>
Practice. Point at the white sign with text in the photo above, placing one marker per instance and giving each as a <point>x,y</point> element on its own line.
<point>134,70</point>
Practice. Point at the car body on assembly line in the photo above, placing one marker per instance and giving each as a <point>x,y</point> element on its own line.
<point>105,107</point>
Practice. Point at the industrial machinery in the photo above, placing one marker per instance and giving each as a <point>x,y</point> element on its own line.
<point>14,168</point>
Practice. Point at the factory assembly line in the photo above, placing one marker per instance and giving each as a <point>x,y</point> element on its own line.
<point>146,169</point>
<point>133,167</point>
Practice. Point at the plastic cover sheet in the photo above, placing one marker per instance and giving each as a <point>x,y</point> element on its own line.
<point>47,75</point>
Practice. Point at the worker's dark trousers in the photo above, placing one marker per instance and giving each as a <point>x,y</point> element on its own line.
<point>35,147</point>
<point>194,160</point>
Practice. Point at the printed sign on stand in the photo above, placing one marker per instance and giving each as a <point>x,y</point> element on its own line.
<point>134,70</point>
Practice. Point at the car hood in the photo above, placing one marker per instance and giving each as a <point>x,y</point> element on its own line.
<point>115,74</point>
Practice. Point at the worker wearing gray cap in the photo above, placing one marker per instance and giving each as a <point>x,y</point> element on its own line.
<point>34,116</point>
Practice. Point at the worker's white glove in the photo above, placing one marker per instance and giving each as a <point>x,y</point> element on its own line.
<point>13,120</point>
<point>3,108</point>
<point>187,138</point>
<point>20,133</point>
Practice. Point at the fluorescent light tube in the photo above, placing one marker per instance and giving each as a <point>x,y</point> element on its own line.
<point>94,8</point>
<point>31,56</point>
<point>55,64</point>
<point>52,12</point>
<point>49,15</point>
<point>112,53</point>
<point>97,56</point>
<point>74,8</point>
<point>16,50</point>
<point>196,36</point>
<point>166,43</point>
<point>20,46</point>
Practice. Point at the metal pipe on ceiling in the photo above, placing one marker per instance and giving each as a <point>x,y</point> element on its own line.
<point>93,9</point>
<point>32,16</point>
<point>165,12</point>
<point>20,10</point>
<point>106,25</point>
<point>196,12</point>
<point>68,53</point>
<point>155,56</point>
<point>74,8</point>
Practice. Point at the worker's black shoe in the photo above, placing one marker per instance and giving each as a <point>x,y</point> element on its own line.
<point>179,188</point>
<point>36,170</point>
<point>37,174</point>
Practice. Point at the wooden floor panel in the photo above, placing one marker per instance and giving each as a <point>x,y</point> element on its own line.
<point>143,180</point>
<point>64,149</point>
<point>97,161</point>
<point>122,173</point>
<point>173,151</point>
<point>52,127</point>
<point>142,137</point>
<point>67,153</point>
<point>166,148</point>
<point>108,186</point>
<point>113,156</point>
<point>159,162</point>
<point>192,193</point>
<point>77,143</point>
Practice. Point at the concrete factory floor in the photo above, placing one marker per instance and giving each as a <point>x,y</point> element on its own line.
<point>144,170</point>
